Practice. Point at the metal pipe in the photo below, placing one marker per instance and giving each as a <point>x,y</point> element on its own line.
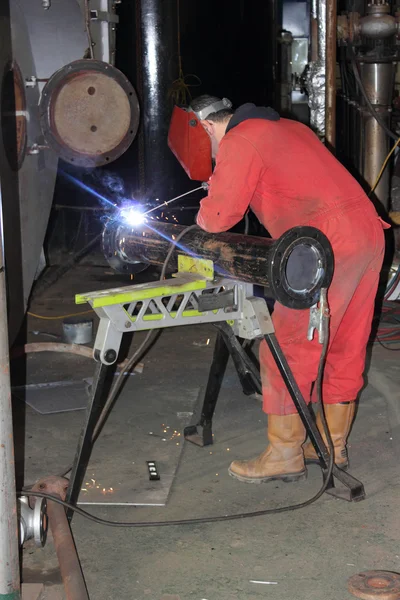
<point>9,548</point>
<point>284,82</point>
<point>292,268</point>
<point>71,572</point>
<point>330,107</point>
<point>377,80</point>
<point>159,68</point>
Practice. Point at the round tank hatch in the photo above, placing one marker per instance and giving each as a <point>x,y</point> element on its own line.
<point>89,113</point>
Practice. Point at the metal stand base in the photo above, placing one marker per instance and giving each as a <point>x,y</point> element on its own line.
<point>201,434</point>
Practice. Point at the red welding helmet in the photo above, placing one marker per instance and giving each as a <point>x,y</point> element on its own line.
<point>190,143</point>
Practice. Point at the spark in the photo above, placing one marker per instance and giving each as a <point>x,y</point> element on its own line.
<point>173,200</point>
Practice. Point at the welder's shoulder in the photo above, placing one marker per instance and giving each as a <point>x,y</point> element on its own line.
<point>244,138</point>
<point>262,133</point>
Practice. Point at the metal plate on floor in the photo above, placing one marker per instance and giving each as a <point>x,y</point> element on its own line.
<point>54,397</point>
<point>135,433</point>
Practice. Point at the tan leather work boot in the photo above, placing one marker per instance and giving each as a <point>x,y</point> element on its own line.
<point>283,458</point>
<point>339,418</point>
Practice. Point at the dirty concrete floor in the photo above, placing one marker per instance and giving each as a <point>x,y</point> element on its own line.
<point>309,554</point>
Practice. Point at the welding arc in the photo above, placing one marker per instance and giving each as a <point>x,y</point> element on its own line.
<point>221,518</point>
<point>173,200</point>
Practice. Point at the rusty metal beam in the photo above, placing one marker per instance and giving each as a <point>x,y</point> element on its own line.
<point>71,572</point>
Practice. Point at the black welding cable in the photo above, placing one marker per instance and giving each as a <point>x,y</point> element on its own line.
<point>221,518</point>
<point>371,109</point>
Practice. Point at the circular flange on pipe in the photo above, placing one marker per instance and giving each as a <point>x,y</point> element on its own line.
<point>301,264</point>
<point>89,113</point>
<point>112,256</point>
<point>375,585</point>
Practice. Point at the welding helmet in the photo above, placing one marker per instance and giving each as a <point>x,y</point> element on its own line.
<point>190,142</point>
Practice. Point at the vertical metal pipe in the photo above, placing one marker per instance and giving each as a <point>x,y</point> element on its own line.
<point>330,106</point>
<point>9,546</point>
<point>159,69</point>
<point>378,80</point>
<point>284,78</point>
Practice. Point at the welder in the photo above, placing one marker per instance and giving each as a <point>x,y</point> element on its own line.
<point>280,170</point>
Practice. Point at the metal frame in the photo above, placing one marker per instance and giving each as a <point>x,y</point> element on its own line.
<point>236,314</point>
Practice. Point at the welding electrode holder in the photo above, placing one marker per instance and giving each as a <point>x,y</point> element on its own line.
<point>292,269</point>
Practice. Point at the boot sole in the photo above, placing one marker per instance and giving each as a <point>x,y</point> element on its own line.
<point>315,461</point>
<point>286,478</point>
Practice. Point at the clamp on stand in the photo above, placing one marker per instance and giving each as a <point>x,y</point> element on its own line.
<point>193,299</point>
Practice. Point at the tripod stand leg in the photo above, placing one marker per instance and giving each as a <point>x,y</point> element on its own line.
<point>216,375</point>
<point>354,489</point>
<point>99,393</point>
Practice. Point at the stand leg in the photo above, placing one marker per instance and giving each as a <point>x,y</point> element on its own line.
<point>217,372</point>
<point>100,388</point>
<point>354,489</point>
<point>248,373</point>
<point>226,344</point>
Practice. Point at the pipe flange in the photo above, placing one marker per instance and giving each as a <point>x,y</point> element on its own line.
<point>301,264</point>
<point>33,521</point>
<point>40,523</point>
<point>378,9</point>
<point>89,113</point>
<point>111,252</point>
<point>375,585</point>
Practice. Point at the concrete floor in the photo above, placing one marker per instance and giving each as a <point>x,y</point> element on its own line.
<point>309,554</point>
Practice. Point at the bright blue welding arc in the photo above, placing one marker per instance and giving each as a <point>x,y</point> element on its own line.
<point>91,191</point>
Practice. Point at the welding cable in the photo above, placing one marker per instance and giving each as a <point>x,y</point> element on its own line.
<point>385,162</point>
<point>221,518</point>
<point>371,109</point>
<point>85,312</point>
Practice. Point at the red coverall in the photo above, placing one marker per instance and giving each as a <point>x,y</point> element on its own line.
<point>286,176</point>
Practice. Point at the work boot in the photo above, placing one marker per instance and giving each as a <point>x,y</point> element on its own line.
<point>283,458</point>
<point>339,418</point>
